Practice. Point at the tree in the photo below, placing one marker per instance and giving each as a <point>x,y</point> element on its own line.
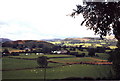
<point>5,52</point>
<point>101,17</point>
<point>42,61</point>
<point>40,45</point>
<point>56,48</point>
<point>15,54</point>
<point>46,50</point>
<point>91,51</point>
<point>115,58</point>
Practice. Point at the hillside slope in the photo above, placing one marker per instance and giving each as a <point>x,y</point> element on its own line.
<point>21,44</point>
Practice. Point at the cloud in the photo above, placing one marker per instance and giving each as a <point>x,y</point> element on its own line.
<point>40,19</point>
<point>3,23</point>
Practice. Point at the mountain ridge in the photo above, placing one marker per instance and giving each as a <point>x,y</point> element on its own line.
<point>4,39</point>
<point>58,39</point>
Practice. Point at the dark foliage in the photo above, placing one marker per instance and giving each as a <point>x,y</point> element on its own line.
<point>42,61</point>
<point>73,53</point>
<point>80,55</point>
<point>91,52</point>
<point>56,48</point>
<point>15,54</point>
<point>5,52</point>
<point>115,58</point>
<point>101,17</point>
<point>100,50</point>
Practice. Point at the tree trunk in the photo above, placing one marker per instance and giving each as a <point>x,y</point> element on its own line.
<point>116,58</point>
<point>118,38</point>
<point>44,73</point>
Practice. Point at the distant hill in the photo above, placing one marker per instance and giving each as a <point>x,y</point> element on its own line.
<point>22,44</point>
<point>4,39</point>
<point>52,40</point>
<point>76,39</point>
<point>111,37</point>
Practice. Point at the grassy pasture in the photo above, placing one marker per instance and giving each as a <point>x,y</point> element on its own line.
<point>98,45</point>
<point>75,70</point>
<point>84,44</point>
<point>103,56</point>
<point>93,71</point>
<point>112,47</point>
<point>9,63</point>
<point>35,56</point>
<point>75,59</point>
<point>56,42</point>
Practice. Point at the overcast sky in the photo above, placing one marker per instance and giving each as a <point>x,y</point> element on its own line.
<point>40,19</point>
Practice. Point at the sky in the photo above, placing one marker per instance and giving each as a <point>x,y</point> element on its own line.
<point>40,19</point>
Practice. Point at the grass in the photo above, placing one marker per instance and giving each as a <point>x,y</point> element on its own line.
<point>78,44</point>
<point>112,47</point>
<point>74,59</point>
<point>10,63</point>
<point>59,55</point>
<point>98,45</point>
<point>36,56</point>
<point>93,71</point>
<point>107,50</point>
<point>103,56</point>
<point>59,72</point>
<point>55,42</point>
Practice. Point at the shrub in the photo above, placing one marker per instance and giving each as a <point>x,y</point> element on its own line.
<point>73,53</point>
<point>15,54</point>
<point>5,52</point>
<point>80,55</point>
<point>42,61</point>
<point>91,52</point>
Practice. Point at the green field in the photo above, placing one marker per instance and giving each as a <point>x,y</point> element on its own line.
<point>27,69</point>
<point>94,71</point>
<point>100,44</point>
<point>75,59</point>
<point>103,56</point>
<point>35,56</point>
<point>113,47</point>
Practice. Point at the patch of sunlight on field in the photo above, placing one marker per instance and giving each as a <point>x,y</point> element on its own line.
<point>68,44</point>
<point>77,44</point>
<point>55,42</point>
<point>107,50</point>
<point>98,45</point>
<point>103,43</point>
<point>113,47</point>
<point>11,49</point>
<point>84,44</point>
<point>67,41</point>
<point>87,44</point>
